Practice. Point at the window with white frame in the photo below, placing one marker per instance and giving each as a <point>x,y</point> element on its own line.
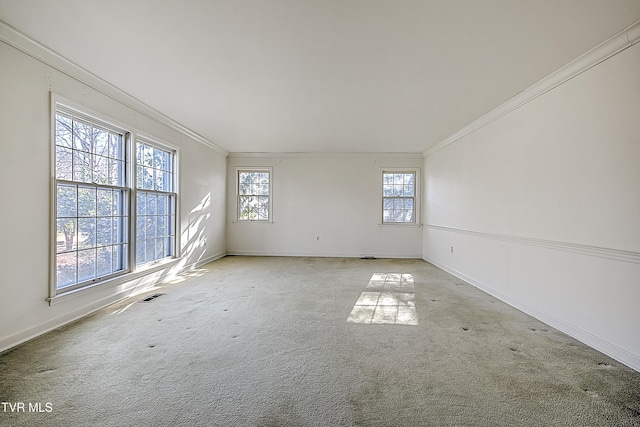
<point>98,205</point>
<point>399,197</point>
<point>254,192</point>
<point>91,203</point>
<point>155,203</point>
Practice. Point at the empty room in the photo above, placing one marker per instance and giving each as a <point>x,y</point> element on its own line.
<point>320,213</point>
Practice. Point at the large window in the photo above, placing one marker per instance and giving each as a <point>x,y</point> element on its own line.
<point>254,192</point>
<point>399,197</point>
<point>91,200</point>
<point>155,203</point>
<point>93,169</point>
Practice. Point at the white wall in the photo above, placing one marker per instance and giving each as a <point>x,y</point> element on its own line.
<point>336,197</point>
<point>25,185</point>
<point>542,207</point>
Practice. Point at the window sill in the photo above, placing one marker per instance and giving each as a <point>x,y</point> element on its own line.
<point>253,222</point>
<point>399,225</point>
<point>142,271</point>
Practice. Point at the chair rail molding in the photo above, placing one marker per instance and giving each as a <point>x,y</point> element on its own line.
<point>609,253</point>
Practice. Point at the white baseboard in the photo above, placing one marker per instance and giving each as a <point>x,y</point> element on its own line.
<point>320,255</point>
<point>611,350</point>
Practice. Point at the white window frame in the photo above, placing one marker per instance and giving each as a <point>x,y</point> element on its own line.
<point>171,193</point>
<point>268,170</point>
<point>132,271</point>
<point>416,197</point>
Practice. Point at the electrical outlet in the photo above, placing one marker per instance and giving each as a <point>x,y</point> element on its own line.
<point>451,249</point>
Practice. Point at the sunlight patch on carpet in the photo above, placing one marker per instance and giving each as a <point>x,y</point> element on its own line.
<point>385,302</point>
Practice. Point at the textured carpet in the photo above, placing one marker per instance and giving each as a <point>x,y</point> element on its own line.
<point>265,342</point>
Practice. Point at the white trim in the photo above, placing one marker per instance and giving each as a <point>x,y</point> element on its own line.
<point>330,155</point>
<point>36,50</point>
<point>601,252</point>
<point>589,339</point>
<point>321,255</point>
<point>612,46</point>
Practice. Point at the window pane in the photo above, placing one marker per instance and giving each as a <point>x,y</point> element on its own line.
<point>104,261</point>
<point>116,146</point>
<point>158,158</point>
<point>86,201</point>
<point>63,131</point>
<point>408,178</point>
<point>162,204</point>
<point>150,249</point>
<point>105,202</point>
<point>152,202</point>
<point>86,265</point>
<point>167,181</point>
<point>82,136</point>
<point>244,188</point>
<point>82,166</point>
<point>66,265</point>
<point>147,157</point>
<point>140,252</point>
<point>408,204</point>
<point>66,234</point>
<point>139,176</point>
<point>141,225</point>
<point>116,173</point>
<point>160,253</point>
<point>151,227</point>
<point>408,190</point>
<point>101,142</point>
<point>67,201</point>
<point>104,231</point>
<point>161,226</point>
<point>86,232</point>
<point>100,170</point>
<point>141,203</point>
<point>148,179</point>
<point>64,163</point>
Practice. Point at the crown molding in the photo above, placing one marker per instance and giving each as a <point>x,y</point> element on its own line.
<point>612,46</point>
<point>319,154</point>
<point>14,38</point>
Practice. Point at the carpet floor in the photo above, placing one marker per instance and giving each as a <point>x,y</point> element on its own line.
<point>277,341</point>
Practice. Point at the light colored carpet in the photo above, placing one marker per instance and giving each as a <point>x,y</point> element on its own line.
<point>266,342</point>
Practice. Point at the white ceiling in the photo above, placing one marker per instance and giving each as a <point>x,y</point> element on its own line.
<point>321,75</point>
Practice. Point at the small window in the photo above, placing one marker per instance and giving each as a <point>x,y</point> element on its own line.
<point>254,192</point>
<point>91,202</point>
<point>155,203</point>
<point>399,197</point>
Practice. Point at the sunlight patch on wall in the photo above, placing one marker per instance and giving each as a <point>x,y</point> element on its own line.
<point>385,302</point>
